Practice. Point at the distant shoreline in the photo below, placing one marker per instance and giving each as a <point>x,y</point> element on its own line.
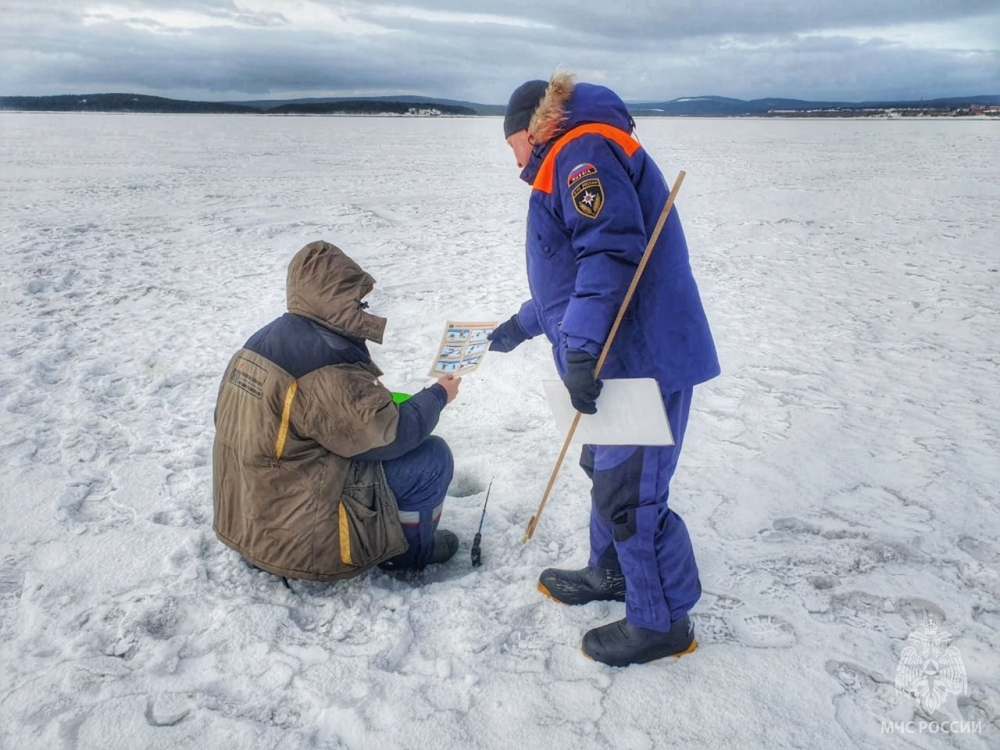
<point>424,107</point>
<point>389,115</point>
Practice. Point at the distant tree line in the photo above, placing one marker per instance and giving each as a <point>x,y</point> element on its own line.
<point>702,106</point>
<point>118,103</point>
<point>161,105</point>
<point>368,107</point>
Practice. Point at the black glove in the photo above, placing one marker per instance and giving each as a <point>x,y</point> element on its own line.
<point>579,379</point>
<point>507,335</point>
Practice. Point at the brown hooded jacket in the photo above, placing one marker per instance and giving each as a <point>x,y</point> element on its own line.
<point>288,497</point>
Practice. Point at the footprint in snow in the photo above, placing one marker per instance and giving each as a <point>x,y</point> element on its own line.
<point>723,622</point>
<point>978,550</point>
<point>868,698</point>
<point>11,583</point>
<point>860,609</point>
<point>765,631</point>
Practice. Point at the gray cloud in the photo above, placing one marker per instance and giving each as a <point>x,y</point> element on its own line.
<point>683,18</point>
<point>212,49</point>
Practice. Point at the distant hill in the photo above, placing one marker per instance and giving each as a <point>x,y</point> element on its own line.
<point>719,106</point>
<point>698,106</point>
<point>368,107</point>
<point>161,105</point>
<point>117,103</point>
<point>473,107</point>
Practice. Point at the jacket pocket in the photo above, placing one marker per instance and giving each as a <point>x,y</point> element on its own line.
<point>545,238</point>
<point>368,518</point>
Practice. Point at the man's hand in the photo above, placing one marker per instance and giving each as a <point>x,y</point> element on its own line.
<point>450,384</point>
<point>507,335</point>
<point>580,382</point>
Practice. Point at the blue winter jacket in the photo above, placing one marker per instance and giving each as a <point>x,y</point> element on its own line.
<point>595,200</point>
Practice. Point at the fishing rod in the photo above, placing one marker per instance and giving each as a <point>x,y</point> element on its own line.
<point>477,554</point>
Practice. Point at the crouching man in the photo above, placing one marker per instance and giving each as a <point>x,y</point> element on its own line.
<point>318,474</point>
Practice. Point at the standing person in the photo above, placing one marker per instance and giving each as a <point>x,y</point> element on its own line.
<point>596,197</point>
<point>317,473</point>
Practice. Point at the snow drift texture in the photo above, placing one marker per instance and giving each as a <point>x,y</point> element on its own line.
<point>839,480</point>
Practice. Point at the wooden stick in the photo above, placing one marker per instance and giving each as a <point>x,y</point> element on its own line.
<point>530,530</point>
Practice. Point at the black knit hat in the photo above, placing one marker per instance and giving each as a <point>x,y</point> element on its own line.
<point>522,106</point>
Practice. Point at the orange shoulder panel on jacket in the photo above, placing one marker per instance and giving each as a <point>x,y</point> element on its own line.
<point>543,180</point>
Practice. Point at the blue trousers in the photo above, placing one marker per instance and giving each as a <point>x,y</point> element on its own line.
<point>632,528</point>
<point>420,479</point>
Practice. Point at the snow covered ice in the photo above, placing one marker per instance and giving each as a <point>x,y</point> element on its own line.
<point>840,479</point>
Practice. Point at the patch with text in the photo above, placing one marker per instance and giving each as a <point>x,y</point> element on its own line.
<point>588,198</point>
<point>248,377</point>
<point>579,172</point>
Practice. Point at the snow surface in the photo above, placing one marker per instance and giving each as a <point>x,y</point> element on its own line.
<point>840,479</point>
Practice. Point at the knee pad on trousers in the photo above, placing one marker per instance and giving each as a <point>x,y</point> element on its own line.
<point>623,525</point>
<point>616,495</point>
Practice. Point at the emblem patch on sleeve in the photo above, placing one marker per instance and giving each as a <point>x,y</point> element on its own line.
<point>588,197</point>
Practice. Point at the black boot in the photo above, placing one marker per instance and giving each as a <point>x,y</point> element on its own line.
<point>621,643</point>
<point>445,546</point>
<point>582,586</point>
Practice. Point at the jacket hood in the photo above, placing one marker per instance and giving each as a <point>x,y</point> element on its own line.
<point>326,286</point>
<point>564,106</point>
<point>567,104</point>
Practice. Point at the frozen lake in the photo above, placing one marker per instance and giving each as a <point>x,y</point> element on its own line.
<point>839,480</point>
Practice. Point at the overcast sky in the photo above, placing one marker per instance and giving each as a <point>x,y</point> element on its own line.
<point>479,51</point>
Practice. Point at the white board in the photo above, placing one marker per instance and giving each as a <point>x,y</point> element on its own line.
<point>629,412</point>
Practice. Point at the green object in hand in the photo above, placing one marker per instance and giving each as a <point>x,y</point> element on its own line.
<point>398,398</point>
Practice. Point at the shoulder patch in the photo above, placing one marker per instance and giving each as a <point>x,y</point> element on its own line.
<point>588,197</point>
<point>579,172</point>
<point>248,377</point>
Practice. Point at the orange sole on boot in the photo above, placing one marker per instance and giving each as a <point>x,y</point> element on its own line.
<point>689,650</point>
<point>541,587</point>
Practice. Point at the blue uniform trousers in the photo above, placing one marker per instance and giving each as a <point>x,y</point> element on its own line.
<point>420,479</point>
<point>633,529</point>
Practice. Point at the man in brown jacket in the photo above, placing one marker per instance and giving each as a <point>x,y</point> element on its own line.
<point>317,473</point>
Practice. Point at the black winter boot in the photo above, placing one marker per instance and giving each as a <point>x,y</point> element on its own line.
<point>582,586</point>
<point>621,643</point>
<point>445,546</point>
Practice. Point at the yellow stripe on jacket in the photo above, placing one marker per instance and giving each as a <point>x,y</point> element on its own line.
<point>286,413</point>
<point>345,537</point>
